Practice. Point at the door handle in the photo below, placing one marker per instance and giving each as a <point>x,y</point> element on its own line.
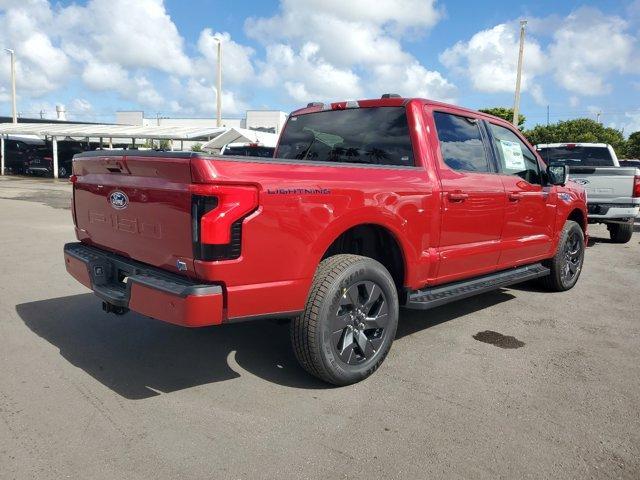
<point>515,197</point>
<point>457,196</point>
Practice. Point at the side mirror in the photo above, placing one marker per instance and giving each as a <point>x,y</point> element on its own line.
<point>557,174</point>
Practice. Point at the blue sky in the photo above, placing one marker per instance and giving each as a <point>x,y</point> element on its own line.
<point>159,56</point>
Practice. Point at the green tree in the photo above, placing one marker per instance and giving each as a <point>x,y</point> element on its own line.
<point>578,130</point>
<point>197,147</point>
<point>506,113</point>
<point>633,145</point>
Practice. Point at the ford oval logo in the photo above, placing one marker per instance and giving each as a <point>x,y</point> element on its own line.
<point>118,200</point>
<point>581,181</point>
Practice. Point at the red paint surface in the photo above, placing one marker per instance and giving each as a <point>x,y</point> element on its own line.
<point>77,270</point>
<point>190,311</point>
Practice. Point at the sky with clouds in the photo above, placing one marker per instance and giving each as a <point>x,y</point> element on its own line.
<point>100,56</point>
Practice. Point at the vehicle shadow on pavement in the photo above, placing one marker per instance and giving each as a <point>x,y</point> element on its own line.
<point>595,240</point>
<point>412,321</point>
<point>138,357</point>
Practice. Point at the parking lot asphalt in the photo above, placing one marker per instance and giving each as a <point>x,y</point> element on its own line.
<point>88,395</point>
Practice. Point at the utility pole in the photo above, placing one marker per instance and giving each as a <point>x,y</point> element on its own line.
<point>219,85</point>
<point>516,103</point>
<point>598,116</point>
<point>13,83</point>
<point>547,115</point>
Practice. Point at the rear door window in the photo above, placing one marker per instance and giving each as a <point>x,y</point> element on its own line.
<point>376,136</point>
<point>461,143</point>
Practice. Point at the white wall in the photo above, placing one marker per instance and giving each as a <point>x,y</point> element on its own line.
<point>266,119</point>
<point>198,122</point>
<point>130,118</point>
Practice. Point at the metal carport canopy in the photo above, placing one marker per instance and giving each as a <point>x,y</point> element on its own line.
<point>58,130</point>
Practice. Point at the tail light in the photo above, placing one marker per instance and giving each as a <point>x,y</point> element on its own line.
<point>73,178</point>
<point>217,215</point>
<point>636,186</point>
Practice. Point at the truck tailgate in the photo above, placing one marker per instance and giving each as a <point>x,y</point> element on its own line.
<point>138,206</point>
<point>605,184</point>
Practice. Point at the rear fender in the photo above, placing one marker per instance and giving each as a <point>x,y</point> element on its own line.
<point>365,216</point>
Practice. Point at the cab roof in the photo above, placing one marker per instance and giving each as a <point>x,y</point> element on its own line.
<point>388,101</point>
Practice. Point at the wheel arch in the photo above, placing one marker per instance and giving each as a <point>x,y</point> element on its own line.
<point>372,240</point>
<point>578,216</point>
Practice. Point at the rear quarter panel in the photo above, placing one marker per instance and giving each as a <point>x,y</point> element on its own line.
<point>303,209</point>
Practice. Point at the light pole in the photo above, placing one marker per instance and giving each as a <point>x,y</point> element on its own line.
<point>516,102</point>
<point>219,84</point>
<point>13,82</point>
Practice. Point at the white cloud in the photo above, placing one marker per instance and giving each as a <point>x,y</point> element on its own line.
<point>347,32</point>
<point>414,80</point>
<point>313,50</point>
<point>112,77</point>
<point>136,34</point>
<point>586,47</point>
<point>580,51</point>
<point>121,47</point>
<point>40,66</point>
<point>341,41</point>
<point>199,96</point>
<point>331,49</point>
<point>236,58</point>
<point>310,50</point>
<point>538,94</point>
<point>306,75</point>
<point>105,76</point>
<point>490,58</point>
<point>81,106</point>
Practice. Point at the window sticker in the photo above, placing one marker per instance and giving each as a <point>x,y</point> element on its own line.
<point>512,154</point>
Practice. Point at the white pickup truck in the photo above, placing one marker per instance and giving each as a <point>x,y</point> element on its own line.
<point>613,192</point>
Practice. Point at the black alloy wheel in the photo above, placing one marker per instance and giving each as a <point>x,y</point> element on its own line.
<point>360,323</point>
<point>573,257</point>
<point>566,265</point>
<point>349,321</point>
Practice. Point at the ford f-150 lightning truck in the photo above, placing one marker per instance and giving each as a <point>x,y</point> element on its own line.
<point>367,206</point>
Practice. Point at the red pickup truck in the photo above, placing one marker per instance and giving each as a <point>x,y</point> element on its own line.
<point>367,206</point>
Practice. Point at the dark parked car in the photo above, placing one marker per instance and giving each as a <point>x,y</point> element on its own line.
<point>20,151</point>
<point>248,150</point>
<point>43,165</point>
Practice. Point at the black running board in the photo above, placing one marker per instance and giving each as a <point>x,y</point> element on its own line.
<point>431,297</point>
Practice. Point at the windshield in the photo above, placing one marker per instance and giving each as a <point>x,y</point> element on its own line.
<point>577,156</point>
<point>361,135</point>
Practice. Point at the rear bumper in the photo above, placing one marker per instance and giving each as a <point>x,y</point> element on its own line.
<point>147,290</point>
<point>611,211</point>
<point>38,169</point>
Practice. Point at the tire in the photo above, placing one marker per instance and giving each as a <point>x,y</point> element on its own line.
<point>349,321</point>
<point>567,263</point>
<point>620,232</point>
<point>62,172</point>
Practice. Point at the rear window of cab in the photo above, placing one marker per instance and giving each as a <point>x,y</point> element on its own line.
<point>373,136</point>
